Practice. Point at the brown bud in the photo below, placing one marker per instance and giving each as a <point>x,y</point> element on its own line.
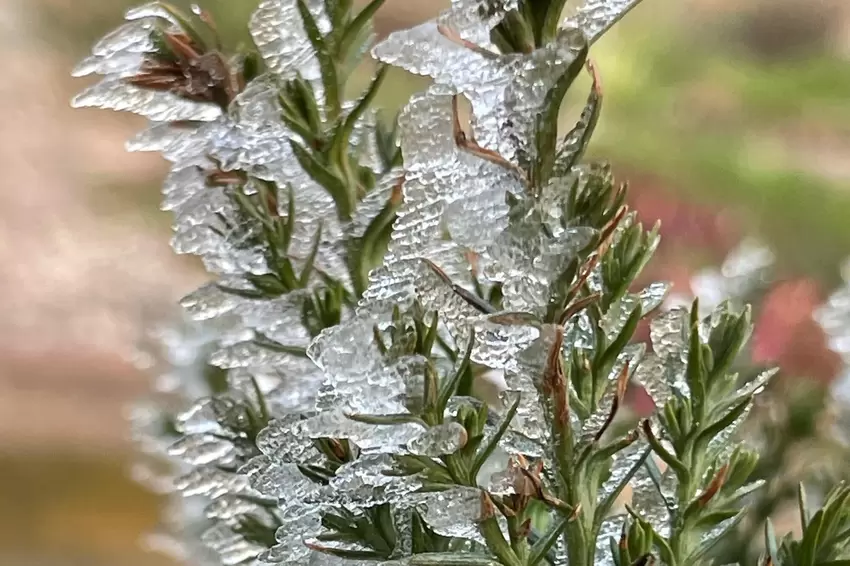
<point>622,386</point>
<point>716,483</point>
<point>488,509</point>
<point>338,449</point>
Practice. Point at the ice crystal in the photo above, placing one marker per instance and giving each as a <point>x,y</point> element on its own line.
<point>594,17</point>
<point>280,38</point>
<point>434,169</point>
<point>231,546</point>
<point>653,497</point>
<point>369,481</point>
<point>277,480</point>
<point>474,19</point>
<point>506,91</point>
<point>500,337</point>
<point>113,93</point>
<point>439,440</point>
<point>663,373</point>
<point>290,537</point>
<point>631,358</point>
<point>522,375</point>
<point>210,482</point>
<point>453,513</point>
<point>528,261</point>
<point>609,529</point>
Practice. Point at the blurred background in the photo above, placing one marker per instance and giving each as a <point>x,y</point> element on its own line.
<point>731,119</point>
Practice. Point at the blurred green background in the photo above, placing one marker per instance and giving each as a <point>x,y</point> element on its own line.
<point>732,118</point>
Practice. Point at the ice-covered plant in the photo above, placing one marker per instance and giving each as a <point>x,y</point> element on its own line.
<point>175,355</point>
<point>365,289</point>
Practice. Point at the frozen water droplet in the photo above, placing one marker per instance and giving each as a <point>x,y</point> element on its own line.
<point>210,482</point>
<point>367,482</point>
<point>277,480</point>
<point>231,547</point>
<point>201,449</point>
<point>453,513</point>
<point>114,93</point>
<point>290,536</point>
<point>439,440</point>
<point>594,17</point>
<point>279,35</point>
<point>150,10</point>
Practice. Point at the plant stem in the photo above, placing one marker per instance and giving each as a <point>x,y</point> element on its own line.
<point>496,542</point>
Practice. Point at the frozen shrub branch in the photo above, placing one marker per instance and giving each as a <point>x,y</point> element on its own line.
<point>369,279</point>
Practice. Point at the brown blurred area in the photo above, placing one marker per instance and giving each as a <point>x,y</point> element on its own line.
<point>86,262</point>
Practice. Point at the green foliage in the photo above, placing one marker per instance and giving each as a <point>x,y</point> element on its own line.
<point>825,539</point>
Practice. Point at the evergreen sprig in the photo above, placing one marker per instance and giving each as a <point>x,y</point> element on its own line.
<point>393,459</point>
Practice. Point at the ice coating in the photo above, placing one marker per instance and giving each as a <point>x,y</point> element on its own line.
<point>277,480</point>
<point>527,261</point>
<point>631,355</point>
<point>571,146</point>
<point>382,391</point>
<point>150,10</point>
<point>211,482</point>
<point>663,372</point>
<point>278,33</point>
<point>594,17</point>
<point>502,336</point>
<point>113,93</point>
<point>374,202</point>
<point>435,168</point>
<point>506,91</point>
<point>290,547</point>
<point>285,440</point>
<point>276,318</point>
<point>647,299</point>
<point>474,19</point>
<point>253,138</point>
<point>624,462</point>
<point>390,439</point>
<point>522,376</point>
<point>439,440</point>
<point>609,529</point>
<point>453,513</point>
<point>176,142</point>
<point>367,482</point>
<point>231,547</point>
<point>200,449</point>
<point>647,498</point>
<point>354,368</point>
